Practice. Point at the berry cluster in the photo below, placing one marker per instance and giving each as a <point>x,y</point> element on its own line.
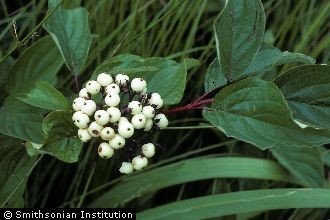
<point>126,117</point>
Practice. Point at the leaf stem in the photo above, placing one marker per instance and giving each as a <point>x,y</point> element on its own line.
<point>197,104</point>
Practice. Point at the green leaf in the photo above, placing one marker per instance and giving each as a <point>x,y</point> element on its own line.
<point>263,66</point>
<point>46,96</point>
<point>70,31</point>
<point>62,141</point>
<point>254,111</point>
<point>40,62</point>
<point>268,57</point>
<point>20,120</point>
<point>214,77</point>
<point>164,76</point>
<point>239,32</point>
<point>191,63</point>
<point>16,166</point>
<point>306,89</point>
<point>188,171</point>
<point>240,202</point>
<point>305,164</point>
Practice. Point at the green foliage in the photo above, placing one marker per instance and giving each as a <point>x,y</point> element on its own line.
<point>70,31</point>
<point>241,202</point>
<point>306,88</point>
<point>255,111</point>
<point>306,164</point>
<point>269,57</point>
<point>40,62</point>
<point>188,171</point>
<point>62,141</point>
<point>239,32</point>
<point>214,77</point>
<point>46,96</point>
<point>20,120</point>
<point>16,166</point>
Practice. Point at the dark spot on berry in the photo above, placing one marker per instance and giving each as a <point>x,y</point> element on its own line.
<point>74,102</point>
<point>85,103</point>
<point>95,132</point>
<point>128,129</point>
<point>108,132</point>
<point>78,121</point>
<point>153,112</point>
<point>141,79</point>
<point>100,149</point>
<point>110,96</point>
<point>110,116</point>
<point>157,120</point>
<point>113,87</point>
<point>89,84</point>
<point>140,119</point>
<point>99,116</point>
<point>140,105</point>
<point>119,143</point>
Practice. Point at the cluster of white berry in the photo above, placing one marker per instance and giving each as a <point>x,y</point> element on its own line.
<point>118,123</point>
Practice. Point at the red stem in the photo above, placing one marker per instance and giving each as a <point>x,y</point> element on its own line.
<point>191,106</point>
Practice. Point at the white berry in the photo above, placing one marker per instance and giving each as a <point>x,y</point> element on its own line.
<point>95,129</point>
<point>83,135</point>
<point>135,106</point>
<point>93,87</point>
<point>112,88</point>
<point>126,168</point>
<point>112,99</point>
<point>114,114</point>
<point>156,100</point>
<point>139,121</point>
<point>89,107</point>
<point>83,93</point>
<point>139,162</point>
<point>148,125</point>
<point>78,103</point>
<point>122,79</point>
<point>123,119</point>
<point>117,142</point>
<point>102,117</point>
<point>107,133</point>
<point>80,119</point>
<point>105,151</point>
<point>138,85</point>
<point>161,121</point>
<point>148,111</point>
<point>104,79</point>
<point>76,115</point>
<point>148,150</point>
<point>125,129</point>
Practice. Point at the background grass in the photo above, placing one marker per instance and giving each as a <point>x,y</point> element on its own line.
<point>175,29</point>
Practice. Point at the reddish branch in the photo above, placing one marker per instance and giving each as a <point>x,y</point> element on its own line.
<point>198,104</point>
